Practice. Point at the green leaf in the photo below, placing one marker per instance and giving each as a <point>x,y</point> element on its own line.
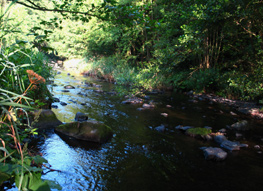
<point>9,92</point>
<point>3,177</point>
<point>8,154</point>
<point>15,105</point>
<point>52,184</point>
<point>10,169</point>
<point>39,160</point>
<point>35,183</point>
<point>31,181</point>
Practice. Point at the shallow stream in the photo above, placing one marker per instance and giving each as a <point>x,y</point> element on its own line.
<point>140,158</point>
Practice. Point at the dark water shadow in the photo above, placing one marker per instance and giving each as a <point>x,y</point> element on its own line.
<point>76,143</point>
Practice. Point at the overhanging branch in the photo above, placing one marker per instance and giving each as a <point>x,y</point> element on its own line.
<point>34,6</point>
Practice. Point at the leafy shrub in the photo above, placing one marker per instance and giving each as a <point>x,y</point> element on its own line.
<point>206,80</point>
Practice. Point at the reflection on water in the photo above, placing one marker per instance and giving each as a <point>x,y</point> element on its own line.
<point>77,166</point>
<point>138,157</point>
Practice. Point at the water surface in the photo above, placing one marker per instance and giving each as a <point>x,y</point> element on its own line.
<point>140,158</point>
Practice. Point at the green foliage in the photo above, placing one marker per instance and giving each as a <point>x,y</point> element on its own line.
<point>151,44</point>
<point>204,80</point>
<point>16,57</point>
<point>246,86</point>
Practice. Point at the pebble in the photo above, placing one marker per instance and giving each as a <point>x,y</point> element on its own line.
<point>146,105</point>
<point>63,103</point>
<point>222,130</point>
<point>65,90</point>
<point>164,114</point>
<point>232,113</point>
<point>55,99</point>
<point>69,87</point>
<point>160,128</point>
<point>54,106</point>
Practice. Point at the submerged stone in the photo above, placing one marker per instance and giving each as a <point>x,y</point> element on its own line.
<point>93,131</point>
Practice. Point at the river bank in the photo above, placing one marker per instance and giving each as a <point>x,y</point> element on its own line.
<point>248,108</point>
<point>253,109</point>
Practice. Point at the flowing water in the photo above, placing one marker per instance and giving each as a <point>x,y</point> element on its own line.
<point>140,158</point>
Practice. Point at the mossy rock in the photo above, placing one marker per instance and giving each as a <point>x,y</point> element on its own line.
<point>93,131</point>
<point>44,119</point>
<point>198,131</point>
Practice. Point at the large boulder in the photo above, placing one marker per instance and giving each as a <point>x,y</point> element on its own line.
<point>44,119</point>
<point>93,131</point>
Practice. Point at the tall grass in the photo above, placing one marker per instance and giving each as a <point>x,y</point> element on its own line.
<point>18,82</point>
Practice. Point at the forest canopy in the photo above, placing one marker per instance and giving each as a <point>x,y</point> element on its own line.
<point>206,46</point>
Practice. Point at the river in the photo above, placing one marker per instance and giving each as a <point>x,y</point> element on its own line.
<point>140,158</point>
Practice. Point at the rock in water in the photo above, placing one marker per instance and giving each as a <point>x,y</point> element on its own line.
<point>183,128</point>
<point>69,87</point>
<point>93,131</point>
<point>160,128</point>
<point>148,106</point>
<point>44,119</point>
<point>134,100</point>
<point>214,153</point>
<point>63,103</point>
<point>220,138</point>
<point>241,125</point>
<point>81,117</point>
<point>230,145</point>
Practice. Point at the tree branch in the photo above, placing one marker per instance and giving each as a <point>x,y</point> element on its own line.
<point>37,7</point>
<point>248,31</point>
